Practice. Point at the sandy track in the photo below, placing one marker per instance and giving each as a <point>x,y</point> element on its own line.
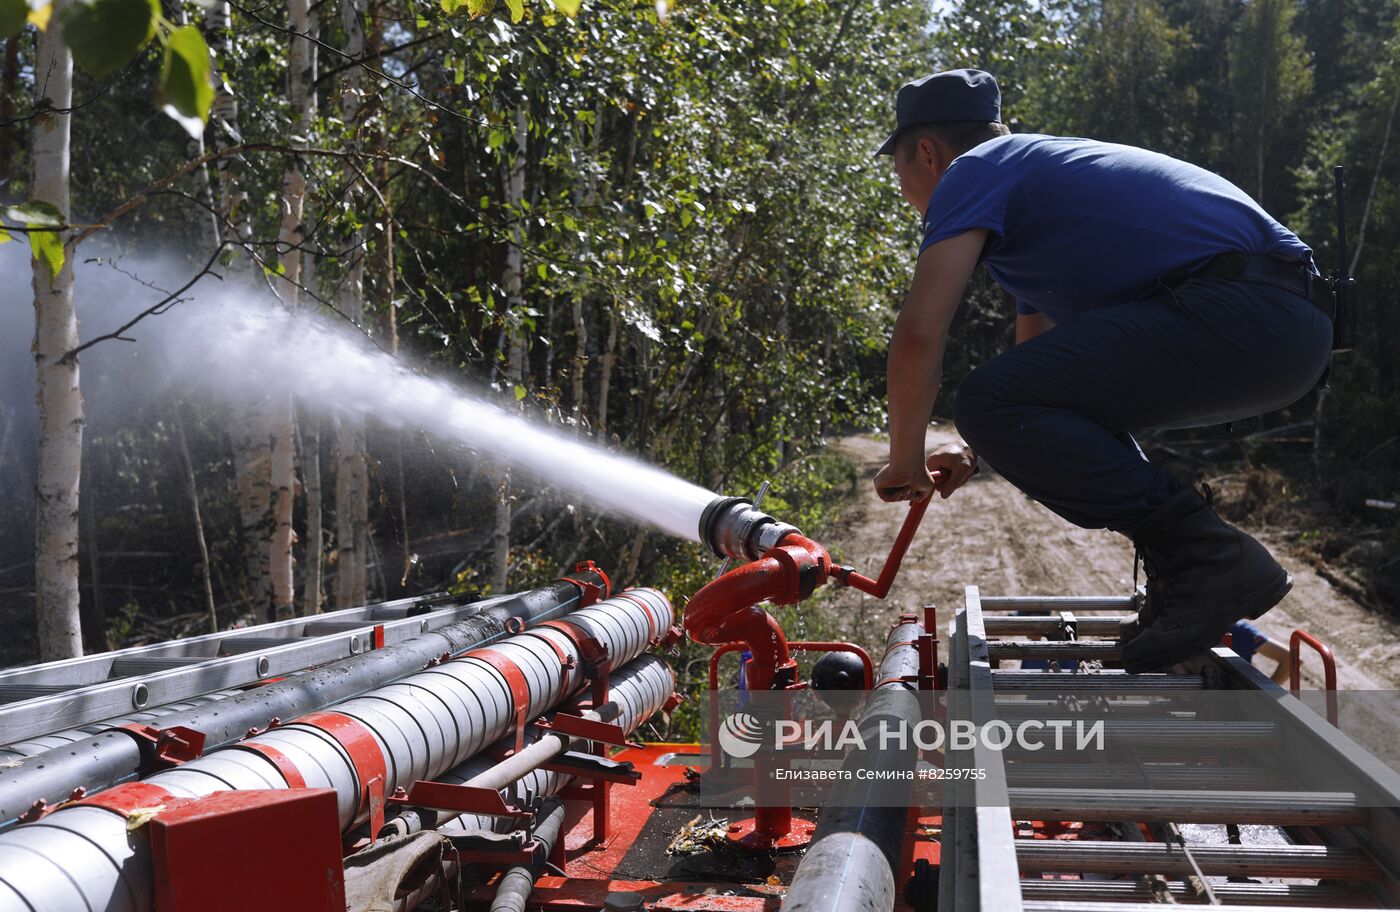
<point>990,535</point>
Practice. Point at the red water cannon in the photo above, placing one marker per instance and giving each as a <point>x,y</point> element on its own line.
<point>782,567</point>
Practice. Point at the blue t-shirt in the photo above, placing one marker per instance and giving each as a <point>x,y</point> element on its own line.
<point>1246,639</point>
<point>1078,224</point>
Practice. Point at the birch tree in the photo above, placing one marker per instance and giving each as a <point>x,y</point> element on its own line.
<point>249,434</point>
<point>289,242</point>
<point>55,334</point>
<point>351,468</point>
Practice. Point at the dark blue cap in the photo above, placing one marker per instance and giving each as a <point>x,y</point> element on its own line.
<point>943,97</point>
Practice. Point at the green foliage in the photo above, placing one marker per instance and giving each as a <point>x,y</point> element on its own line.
<point>185,88</point>
<point>105,34</point>
<point>35,214</point>
<point>46,246</point>
<point>13,15</point>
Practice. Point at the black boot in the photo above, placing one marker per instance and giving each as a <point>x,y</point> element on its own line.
<point>1151,607</point>
<point>1208,575</point>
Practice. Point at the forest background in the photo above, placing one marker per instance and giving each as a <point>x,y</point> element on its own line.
<point>658,226</point>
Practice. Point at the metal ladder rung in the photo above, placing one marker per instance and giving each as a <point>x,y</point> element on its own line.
<point>243,645</point>
<point>1109,679</point>
<point>1283,808</point>
<point>1095,891</point>
<point>1058,650</point>
<point>13,693</point>
<point>1170,705</point>
<point>324,628</point>
<point>1091,857</point>
<point>1181,735</point>
<point>1050,624</point>
<point>1157,776</point>
<point>130,667</point>
<point>1059,603</point>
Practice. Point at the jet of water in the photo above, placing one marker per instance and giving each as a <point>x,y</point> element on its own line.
<point>259,352</point>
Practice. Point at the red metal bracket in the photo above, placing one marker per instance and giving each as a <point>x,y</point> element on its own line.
<point>592,593</point>
<point>173,746</point>
<point>365,755</point>
<point>590,729</point>
<point>272,755</point>
<point>653,619</point>
<point>618,773</point>
<point>597,795</point>
<point>566,662</point>
<point>41,808</point>
<point>123,799</point>
<point>378,636</point>
<point>1329,668</point>
<point>515,680</point>
<point>463,799</point>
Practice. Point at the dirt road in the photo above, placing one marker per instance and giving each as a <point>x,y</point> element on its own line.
<point>992,536</point>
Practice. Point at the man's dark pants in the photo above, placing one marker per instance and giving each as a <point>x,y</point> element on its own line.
<point>1054,414</point>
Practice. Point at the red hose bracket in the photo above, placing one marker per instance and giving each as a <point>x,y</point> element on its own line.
<point>365,755</point>
<point>591,593</point>
<point>515,680</point>
<point>272,755</point>
<point>172,746</point>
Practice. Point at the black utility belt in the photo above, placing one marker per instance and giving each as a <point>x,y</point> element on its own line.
<point>1290,275</point>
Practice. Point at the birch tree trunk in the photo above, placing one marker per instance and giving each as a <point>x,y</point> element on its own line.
<point>60,398</point>
<point>313,572</point>
<point>515,369</point>
<point>289,239</point>
<point>250,434</point>
<point>351,469</point>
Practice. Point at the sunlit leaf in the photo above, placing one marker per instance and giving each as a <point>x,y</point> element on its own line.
<point>13,15</point>
<point>105,34</point>
<point>47,247</point>
<point>36,214</point>
<point>185,89</point>
<point>139,817</point>
<point>568,7</point>
<point>39,16</point>
<point>519,393</point>
<point>478,8</point>
<point>5,236</point>
<point>517,9</point>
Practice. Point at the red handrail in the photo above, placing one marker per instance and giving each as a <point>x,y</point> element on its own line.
<point>1329,668</point>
